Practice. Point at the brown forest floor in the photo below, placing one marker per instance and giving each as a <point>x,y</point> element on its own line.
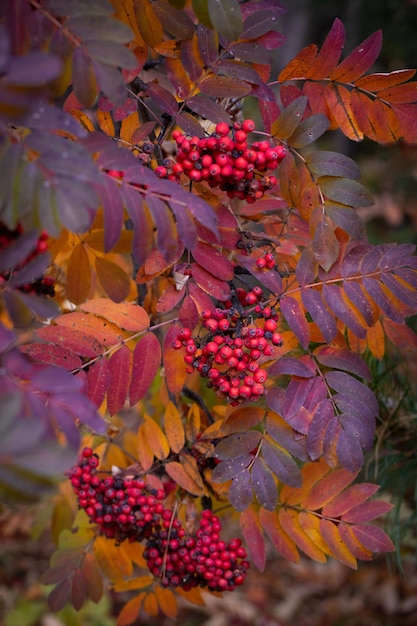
<point>306,594</point>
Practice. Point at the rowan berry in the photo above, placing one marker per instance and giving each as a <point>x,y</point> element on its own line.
<point>248,125</point>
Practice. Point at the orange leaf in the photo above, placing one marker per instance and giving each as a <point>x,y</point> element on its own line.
<point>139,582</point>
<point>376,119</point>
<point>127,315</point>
<point>243,419</point>
<point>167,602</point>
<point>113,562</point>
<point>338,101</point>
<point>150,604</point>
<point>130,611</point>
<point>193,423</point>
<point>289,180</point>
<point>78,281</point>
<point>173,361</point>
<point>327,488</point>
<point>280,540</point>
<point>290,523</point>
<point>113,279</point>
<point>177,472</point>
<point>310,524</point>
<point>106,333</point>
<point>174,428</point>
<point>312,473</point>
<point>128,126</point>
<point>380,81</point>
<point>375,340</point>
<point>148,23</point>
<point>145,454</point>
<point>340,551</point>
<point>155,438</point>
<point>105,121</point>
<point>299,66</point>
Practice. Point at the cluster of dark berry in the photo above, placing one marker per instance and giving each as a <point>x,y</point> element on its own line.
<point>228,355</point>
<point>121,507</point>
<point>124,509</point>
<point>226,160</point>
<point>201,561</point>
<point>43,285</point>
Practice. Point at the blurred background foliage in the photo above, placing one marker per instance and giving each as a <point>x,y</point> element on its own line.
<point>307,594</point>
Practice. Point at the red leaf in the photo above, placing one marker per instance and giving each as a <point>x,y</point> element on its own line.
<point>98,379</point>
<point>373,538</point>
<point>216,288</point>
<point>213,260</point>
<point>252,533</point>
<point>75,340</point>
<point>188,314</point>
<point>120,364</point>
<point>146,361</point>
<point>295,317</point>
<point>329,53</point>
<point>367,511</point>
<point>169,299</point>
<point>52,355</point>
<point>359,60</point>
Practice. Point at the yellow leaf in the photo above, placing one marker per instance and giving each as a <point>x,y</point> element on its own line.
<point>145,454</point>
<point>167,602</point>
<point>174,428</point>
<point>140,582</point>
<point>128,126</point>
<point>114,562</point>
<point>178,473</point>
<point>78,281</point>
<point>155,438</point>
<point>192,427</point>
<point>312,473</point>
<point>310,524</point>
<point>105,121</point>
<point>130,611</point>
<point>150,604</point>
<point>290,523</point>
<point>340,551</point>
<point>148,23</point>
<point>83,119</point>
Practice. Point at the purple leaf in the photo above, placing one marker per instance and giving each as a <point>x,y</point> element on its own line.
<point>281,463</point>
<point>240,491</point>
<point>32,270</point>
<point>19,249</point>
<point>263,485</point>
<point>237,69</point>
<point>352,405</point>
<point>366,512</point>
<point>111,201</point>
<point>237,444</point>
<point>347,219</point>
<point>163,98</point>
<point>252,52</point>
<point>296,320</point>
<point>303,367</point>
<point>359,428</point>
<point>231,468</point>
<point>33,69</point>
<point>320,314</point>
<point>307,266</point>
<point>322,418</point>
<point>260,22</point>
<point>327,163</point>
<point>404,292</point>
<point>341,358</point>
<point>334,298</point>
<point>208,44</point>
<point>207,108</point>
<point>383,299</point>
<point>360,299</point>
<point>283,434</point>
<point>344,383</point>
<point>325,244</point>
<point>270,278</point>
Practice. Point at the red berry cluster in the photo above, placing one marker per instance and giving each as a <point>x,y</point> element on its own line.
<point>124,509</point>
<point>226,160</point>
<point>43,285</point>
<point>266,262</point>
<point>228,354</point>
<point>204,560</point>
